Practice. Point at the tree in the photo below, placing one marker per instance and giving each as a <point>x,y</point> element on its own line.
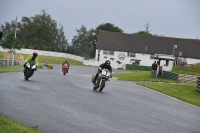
<point>82,42</point>
<point>146,31</point>
<point>11,42</point>
<point>158,35</point>
<point>147,26</point>
<point>109,27</point>
<point>61,41</point>
<point>38,32</point>
<point>142,33</point>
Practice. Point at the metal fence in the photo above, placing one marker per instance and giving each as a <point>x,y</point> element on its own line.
<point>8,62</point>
<point>3,62</point>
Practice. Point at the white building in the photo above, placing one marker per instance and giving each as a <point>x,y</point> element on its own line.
<point>143,49</point>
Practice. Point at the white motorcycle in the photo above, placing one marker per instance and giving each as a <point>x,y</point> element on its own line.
<point>29,70</point>
<point>101,80</point>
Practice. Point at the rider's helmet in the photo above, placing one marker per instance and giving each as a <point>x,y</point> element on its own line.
<point>107,62</point>
<point>35,53</point>
<point>66,60</point>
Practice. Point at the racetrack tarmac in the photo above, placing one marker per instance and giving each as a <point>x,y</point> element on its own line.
<point>67,104</point>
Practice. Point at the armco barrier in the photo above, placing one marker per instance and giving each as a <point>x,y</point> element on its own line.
<point>137,67</point>
<point>153,74</point>
<point>187,78</point>
<point>91,63</point>
<point>170,75</point>
<point>47,53</point>
<point>198,84</point>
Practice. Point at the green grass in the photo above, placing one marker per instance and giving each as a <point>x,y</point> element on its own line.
<point>58,60</point>
<point>15,68</point>
<point>9,126</point>
<point>1,55</point>
<point>137,75</point>
<point>190,70</point>
<point>181,91</point>
<point>50,59</point>
<point>184,92</point>
<point>186,72</point>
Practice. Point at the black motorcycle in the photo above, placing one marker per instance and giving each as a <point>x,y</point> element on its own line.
<point>29,69</point>
<point>101,80</point>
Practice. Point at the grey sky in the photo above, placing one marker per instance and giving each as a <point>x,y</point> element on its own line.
<point>172,18</point>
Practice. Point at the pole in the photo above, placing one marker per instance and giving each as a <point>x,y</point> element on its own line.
<point>15,32</point>
<point>15,40</point>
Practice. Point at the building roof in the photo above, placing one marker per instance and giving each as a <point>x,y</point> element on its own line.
<point>116,41</point>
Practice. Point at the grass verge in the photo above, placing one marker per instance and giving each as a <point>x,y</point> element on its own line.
<point>50,59</point>
<point>186,72</point>
<point>15,68</point>
<point>137,75</point>
<point>173,88</point>
<point>183,92</point>
<point>193,69</point>
<point>9,126</point>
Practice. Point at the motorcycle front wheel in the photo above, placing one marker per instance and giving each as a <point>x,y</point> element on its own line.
<point>102,85</point>
<point>64,72</point>
<point>27,75</point>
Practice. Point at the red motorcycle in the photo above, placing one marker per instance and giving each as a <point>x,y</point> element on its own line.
<point>65,69</point>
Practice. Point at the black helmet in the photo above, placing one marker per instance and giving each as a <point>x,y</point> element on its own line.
<point>107,62</point>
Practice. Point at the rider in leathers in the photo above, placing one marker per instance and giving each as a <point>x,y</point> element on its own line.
<point>105,65</point>
<point>65,62</point>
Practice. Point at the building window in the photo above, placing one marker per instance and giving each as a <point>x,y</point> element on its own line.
<point>111,52</point>
<point>167,63</point>
<point>108,52</point>
<point>130,54</point>
<point>152,57</point>
<point>105,52</point>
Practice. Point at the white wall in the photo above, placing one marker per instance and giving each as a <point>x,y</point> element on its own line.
<point>91,62</point>
<point>192,61</point>
<point>46,53</point>
<point>169,67</point>
<point>145,59</point>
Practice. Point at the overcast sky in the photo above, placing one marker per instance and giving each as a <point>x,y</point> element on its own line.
<point>172,18</point>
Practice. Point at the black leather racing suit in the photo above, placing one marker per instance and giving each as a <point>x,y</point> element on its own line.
<point>102,66</point>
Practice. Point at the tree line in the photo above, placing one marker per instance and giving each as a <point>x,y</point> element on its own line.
<point>41,32</point>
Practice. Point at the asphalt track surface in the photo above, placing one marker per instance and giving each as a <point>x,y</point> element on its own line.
<point>67,104</point>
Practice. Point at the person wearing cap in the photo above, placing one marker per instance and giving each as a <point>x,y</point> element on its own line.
<point>105,65</point>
